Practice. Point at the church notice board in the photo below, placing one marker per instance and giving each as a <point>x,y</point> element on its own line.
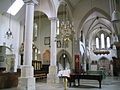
<point>77,63</point>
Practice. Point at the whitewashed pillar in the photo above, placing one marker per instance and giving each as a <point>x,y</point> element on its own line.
<point>27,80</point>
<point>52,76</point>
<point>53,42</point>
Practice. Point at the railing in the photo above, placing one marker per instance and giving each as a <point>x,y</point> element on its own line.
<point>37,64</point>
<point>38,73</point>
<point>39,70</point>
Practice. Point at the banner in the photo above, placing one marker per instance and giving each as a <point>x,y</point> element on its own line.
<point>77,63</point>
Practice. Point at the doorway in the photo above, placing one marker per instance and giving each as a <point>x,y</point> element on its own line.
<point>64,60</point>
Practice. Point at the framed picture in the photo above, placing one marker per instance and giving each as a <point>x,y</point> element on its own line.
<point>46,40</point>
<point>59,44</point>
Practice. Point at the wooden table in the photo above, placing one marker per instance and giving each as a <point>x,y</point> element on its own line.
<point>77,77</point>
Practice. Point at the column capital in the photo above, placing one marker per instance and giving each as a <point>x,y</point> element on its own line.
<point>30,1</point>
<point>53,18</point>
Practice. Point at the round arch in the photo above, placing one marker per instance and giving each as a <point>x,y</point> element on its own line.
<point>47,7</point>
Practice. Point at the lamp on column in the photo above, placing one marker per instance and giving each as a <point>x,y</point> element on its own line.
<point>115,14</point>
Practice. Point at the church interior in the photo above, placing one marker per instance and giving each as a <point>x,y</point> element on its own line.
<point>59,43</point>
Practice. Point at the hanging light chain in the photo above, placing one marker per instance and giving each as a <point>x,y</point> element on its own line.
<point>9,33</point>
<point>65,27</point>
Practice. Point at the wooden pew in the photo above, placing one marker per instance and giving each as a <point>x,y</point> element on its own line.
<point>40,76</point>
<point>39,71</point>
<point>8,80</point>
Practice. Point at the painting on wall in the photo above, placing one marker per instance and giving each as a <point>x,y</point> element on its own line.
<point>46,40</point>
<point>46,57</point>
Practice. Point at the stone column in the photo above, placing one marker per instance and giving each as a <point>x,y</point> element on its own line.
<point>52,76</point>
<point>27,80</point>
<point>117,30</point>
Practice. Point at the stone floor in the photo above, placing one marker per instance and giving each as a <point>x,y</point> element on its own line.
<point>110,83</point>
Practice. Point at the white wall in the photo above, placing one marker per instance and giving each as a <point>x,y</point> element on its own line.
<point>82,47</point>
<point>15,28</point>
<point>44,31</point>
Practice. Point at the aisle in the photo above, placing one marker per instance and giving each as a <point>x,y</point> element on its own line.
<point>110,83</point>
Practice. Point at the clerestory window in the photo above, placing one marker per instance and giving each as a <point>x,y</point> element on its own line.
<point>102,42</point>
<point>97,43</point>
<point>108,42</point>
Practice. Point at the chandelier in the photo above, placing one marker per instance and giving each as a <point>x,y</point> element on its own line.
<point>65,29</point>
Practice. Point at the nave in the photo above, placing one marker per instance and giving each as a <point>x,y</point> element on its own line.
<point>110,83</point>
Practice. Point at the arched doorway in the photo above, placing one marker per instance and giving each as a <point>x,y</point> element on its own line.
<point>64,60</point>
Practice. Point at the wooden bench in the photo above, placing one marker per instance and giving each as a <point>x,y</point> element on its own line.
<point>98,72</point>
<point>40,76</point>
<point>77,77</point>
<point>37,74</point>
<point>8,80</point>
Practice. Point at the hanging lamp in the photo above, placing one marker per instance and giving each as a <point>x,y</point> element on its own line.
<point>9,34</point>
<point>115,15</point>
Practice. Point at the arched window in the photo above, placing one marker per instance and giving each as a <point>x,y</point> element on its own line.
<point>108,42</point>
<point>97,43</point>
<point>102,41</point>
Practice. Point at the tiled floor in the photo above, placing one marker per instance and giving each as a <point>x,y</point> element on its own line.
<point>109,83</point>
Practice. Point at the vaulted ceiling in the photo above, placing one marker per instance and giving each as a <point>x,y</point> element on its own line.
<point>73,3</point>
<point>5,4</point>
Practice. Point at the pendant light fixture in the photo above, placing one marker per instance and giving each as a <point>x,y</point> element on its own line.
<point>9,33</point>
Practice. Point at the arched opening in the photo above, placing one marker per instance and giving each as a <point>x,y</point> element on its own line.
<point>64,60</point>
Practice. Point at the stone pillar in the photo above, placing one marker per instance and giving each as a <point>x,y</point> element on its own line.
<point>118,37</point>
<point>117,44</point>
<point>27,80</point>
<point>52,75</point>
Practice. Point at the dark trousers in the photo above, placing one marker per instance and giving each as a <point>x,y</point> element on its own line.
<point>21,59</point>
